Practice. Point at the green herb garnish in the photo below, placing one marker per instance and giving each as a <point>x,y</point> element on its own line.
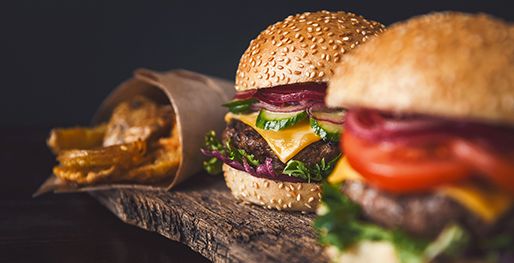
<point>213,165</point>
<point>340,225</point>
<point>317,173</point>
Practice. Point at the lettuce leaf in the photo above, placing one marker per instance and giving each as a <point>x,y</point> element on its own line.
<point>317,173</point>
<point>340,225</point>
<point>213,165</point>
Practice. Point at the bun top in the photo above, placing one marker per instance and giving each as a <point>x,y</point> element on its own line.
<point>444,64</point>
<point>302,48</point>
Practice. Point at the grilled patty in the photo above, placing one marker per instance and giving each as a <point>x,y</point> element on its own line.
<point>419,214</point>
<point>242,136</point>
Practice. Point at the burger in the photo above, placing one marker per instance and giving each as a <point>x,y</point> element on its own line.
<point>428,172</point>
<point>281,140</point>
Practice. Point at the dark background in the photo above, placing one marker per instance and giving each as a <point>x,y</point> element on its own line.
<point>59,59</point>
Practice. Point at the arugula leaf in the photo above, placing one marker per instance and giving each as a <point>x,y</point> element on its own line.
<point>212,143</point>
<point>317,173</point>
<point>339,225</point>
<point>239,106</point>
<point>213,165</point>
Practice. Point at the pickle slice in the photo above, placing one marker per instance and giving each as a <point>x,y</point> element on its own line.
<point>276,121</point>
<point>326,130</point>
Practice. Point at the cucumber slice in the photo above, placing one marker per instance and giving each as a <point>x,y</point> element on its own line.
<point>326,130</point>
<point>276,121</point>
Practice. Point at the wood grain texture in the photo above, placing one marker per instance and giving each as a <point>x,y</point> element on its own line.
<point>209,220</point>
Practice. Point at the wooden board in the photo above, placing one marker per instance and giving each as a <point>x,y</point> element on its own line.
<point>208,219</point>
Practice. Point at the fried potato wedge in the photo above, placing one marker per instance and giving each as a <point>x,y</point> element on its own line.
<point>166,162</point>
<point>134,146</point>
<point>138,119</point>
<point>123,155</point>
<point>81,176</point>
<point>76,138</point>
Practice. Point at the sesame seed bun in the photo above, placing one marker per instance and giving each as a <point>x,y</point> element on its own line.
<point>446,64</point>
<point>272,194</point>
<point>302,48</point>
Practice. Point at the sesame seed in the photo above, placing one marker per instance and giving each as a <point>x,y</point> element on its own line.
<point>313,189</point>
<point>307,205</point>
<point>266,184</point>
<point>298,197</point>
<point>310,199</point>
<point>299,187</point>
<point>279,201</point>
<point>272,200</point>
<point>289,205</point>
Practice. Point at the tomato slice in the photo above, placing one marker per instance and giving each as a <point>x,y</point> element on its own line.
<point>499,168</point>
<point>403,169</point>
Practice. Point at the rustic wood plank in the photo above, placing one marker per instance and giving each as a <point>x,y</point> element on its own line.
<point>208,219</point>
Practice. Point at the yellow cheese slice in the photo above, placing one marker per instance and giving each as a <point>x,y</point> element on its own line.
<point>489,204</point>
<point>284,143</point>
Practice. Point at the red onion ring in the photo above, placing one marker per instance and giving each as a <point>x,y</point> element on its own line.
<point>419,129</point>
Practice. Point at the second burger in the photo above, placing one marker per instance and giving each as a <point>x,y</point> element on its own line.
<point>281,139</point>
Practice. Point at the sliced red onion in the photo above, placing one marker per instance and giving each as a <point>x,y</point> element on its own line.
<point>417,129</point>
<point>264,170</point>
<point>285,94</point>
<point>291,97</point>
<point>302,105</point>
<point>224,159</point>
<point>243,95</point>
<point>321,113</point>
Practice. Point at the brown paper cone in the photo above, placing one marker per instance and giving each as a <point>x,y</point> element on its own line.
<point>196,100</point>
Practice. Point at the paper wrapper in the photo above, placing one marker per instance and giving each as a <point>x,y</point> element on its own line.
<point>196,100</point>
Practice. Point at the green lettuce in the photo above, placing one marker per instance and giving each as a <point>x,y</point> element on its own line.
<point>213,165</point>
<point>340,225</point>
<point>317,173</point>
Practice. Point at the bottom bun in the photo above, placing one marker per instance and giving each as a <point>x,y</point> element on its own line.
<point>364,252</point>
<point>272,194</point>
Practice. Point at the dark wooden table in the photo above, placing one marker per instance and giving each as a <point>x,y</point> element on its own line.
<point>64,227</point>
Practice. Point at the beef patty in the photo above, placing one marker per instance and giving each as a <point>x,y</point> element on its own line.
<point>419,214</point>
<point>242,136</point>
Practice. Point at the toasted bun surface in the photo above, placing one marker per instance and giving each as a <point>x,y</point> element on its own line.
<point>272,194</point>
<point>302,48</point>
<point>445,64</point>
<point>364,252</point>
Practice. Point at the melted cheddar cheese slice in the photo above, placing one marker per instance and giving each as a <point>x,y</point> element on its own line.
<point>284,143</point>
<point>489,204</point>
